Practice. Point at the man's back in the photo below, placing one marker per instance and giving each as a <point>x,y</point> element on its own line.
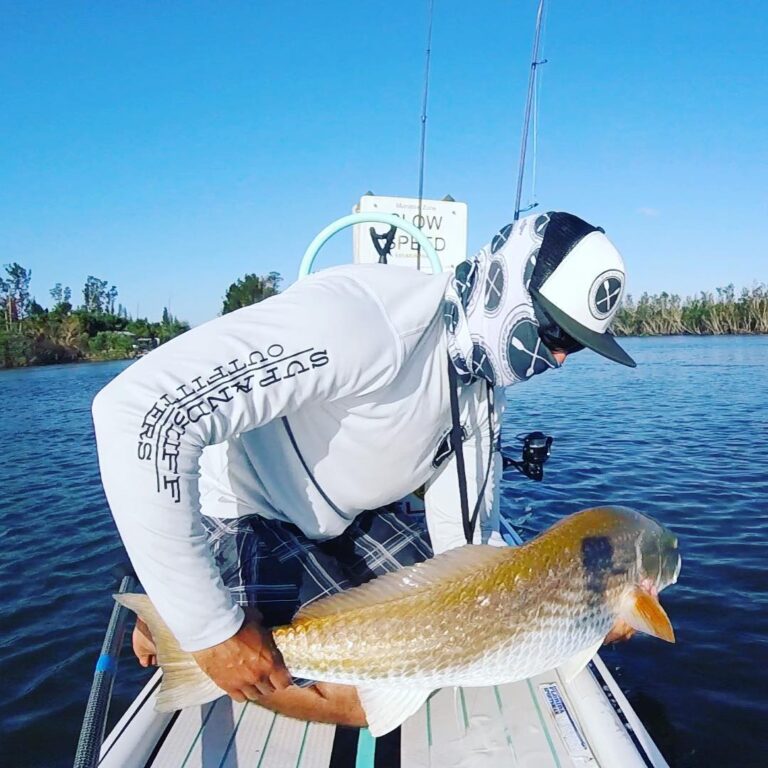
<point>352,358</point>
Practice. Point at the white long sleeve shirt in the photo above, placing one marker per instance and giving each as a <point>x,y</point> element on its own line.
<point>355,358</point>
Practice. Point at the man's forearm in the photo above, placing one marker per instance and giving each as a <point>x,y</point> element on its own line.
<point>320,703</point>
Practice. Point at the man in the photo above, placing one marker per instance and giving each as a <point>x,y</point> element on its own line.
<point>251,461</point>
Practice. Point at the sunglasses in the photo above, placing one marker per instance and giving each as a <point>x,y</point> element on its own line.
<point>557,340</point>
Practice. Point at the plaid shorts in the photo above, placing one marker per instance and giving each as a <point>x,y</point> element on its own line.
<point>275,567</point>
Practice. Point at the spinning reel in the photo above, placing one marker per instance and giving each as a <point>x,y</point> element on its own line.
<point>536,449</point>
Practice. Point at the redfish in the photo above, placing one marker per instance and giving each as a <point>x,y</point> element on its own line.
<point>474,616</point>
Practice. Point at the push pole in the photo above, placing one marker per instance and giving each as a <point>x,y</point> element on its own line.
<point>97,709</point>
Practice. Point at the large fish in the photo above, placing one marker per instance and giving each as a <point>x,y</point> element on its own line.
<point>474,616</point>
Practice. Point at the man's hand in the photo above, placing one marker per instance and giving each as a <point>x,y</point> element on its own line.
<point>143,645</point>
<point>620,631</point>
<point>246,666</point>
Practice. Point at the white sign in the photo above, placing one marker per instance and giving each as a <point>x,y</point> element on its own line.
<point>444,222</point>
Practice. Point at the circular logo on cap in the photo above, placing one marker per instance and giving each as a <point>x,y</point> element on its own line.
<point>500,239</point>
<point>605,293</point>
<point>494,287</point>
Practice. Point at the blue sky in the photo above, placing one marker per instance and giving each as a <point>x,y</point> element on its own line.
<point>171,147</point>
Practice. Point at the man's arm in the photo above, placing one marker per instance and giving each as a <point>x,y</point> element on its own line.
<point>442,500</point>
<point>321,340</point>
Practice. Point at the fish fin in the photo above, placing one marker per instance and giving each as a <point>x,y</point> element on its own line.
<point>454,564</point>
<point>386,707</point>
<point>569,669</point>
<point>643,612</point>
<point>184,684</point>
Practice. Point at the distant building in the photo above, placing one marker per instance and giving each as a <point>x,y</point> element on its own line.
<point>146,344</point>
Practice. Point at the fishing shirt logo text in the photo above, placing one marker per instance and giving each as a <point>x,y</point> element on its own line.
<point>164,425</point>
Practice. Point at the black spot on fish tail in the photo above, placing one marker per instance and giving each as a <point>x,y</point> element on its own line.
<point>597,560</point>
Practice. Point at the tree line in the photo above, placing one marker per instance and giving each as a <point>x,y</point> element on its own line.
<point>98,328</point>
<point>721,312</point>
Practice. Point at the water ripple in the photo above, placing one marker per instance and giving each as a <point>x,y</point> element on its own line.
<point>683,437</point>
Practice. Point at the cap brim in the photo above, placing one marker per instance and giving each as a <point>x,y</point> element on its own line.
<point>602,343</point>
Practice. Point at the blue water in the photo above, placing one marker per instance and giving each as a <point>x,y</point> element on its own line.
<point>684,437</point>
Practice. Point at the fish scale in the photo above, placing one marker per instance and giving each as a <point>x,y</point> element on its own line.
<point>521,610</point>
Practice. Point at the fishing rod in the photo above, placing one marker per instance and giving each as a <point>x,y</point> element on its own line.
<point>97,709</point>
<point>532,77</point>
<point>423,141</point>
<point>383,243</point>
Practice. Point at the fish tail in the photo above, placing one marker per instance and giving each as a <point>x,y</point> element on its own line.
<point>184,684</point>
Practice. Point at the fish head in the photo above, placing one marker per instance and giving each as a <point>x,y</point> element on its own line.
<point>629,545</point>
<point>620,547</point>
<point>626,559</point>
<point>658,556</point>
<point>656,565</point>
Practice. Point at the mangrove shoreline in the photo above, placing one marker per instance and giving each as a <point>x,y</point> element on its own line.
<point>97,332</point>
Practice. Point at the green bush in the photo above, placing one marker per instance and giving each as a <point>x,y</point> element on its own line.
<point>110,345</point>
<point>15,349</point>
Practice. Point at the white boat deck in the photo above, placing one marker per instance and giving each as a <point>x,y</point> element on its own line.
<point>535,723</point>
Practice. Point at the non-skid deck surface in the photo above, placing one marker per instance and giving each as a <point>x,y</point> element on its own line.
<point>514,726</point>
